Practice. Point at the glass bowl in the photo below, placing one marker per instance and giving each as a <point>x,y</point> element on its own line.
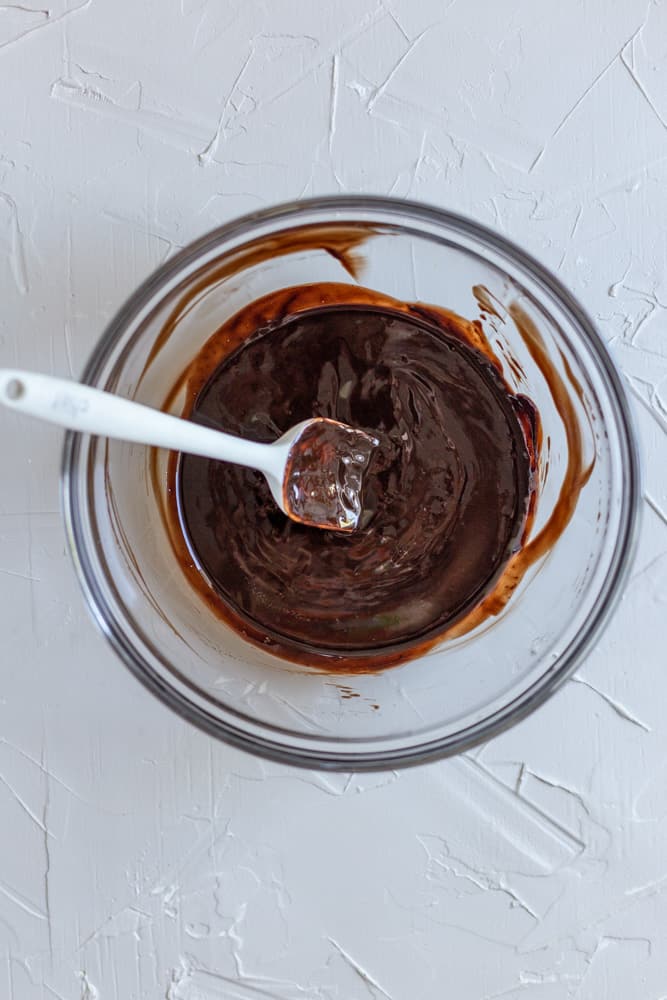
<point>464,689</point>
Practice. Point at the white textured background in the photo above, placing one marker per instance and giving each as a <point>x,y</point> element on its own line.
<point>139,859</point>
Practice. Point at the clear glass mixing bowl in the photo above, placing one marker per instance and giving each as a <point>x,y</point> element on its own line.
<point>462,691</point>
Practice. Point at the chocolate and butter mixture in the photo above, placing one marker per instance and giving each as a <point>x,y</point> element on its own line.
<point>446,497</point>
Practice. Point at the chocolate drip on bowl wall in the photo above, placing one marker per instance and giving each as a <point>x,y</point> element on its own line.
<point>458,449</point>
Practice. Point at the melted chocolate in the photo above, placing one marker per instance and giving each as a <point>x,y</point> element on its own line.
<point>449,488</point>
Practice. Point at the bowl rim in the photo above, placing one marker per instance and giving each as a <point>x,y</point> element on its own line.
<point>502,718</point>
